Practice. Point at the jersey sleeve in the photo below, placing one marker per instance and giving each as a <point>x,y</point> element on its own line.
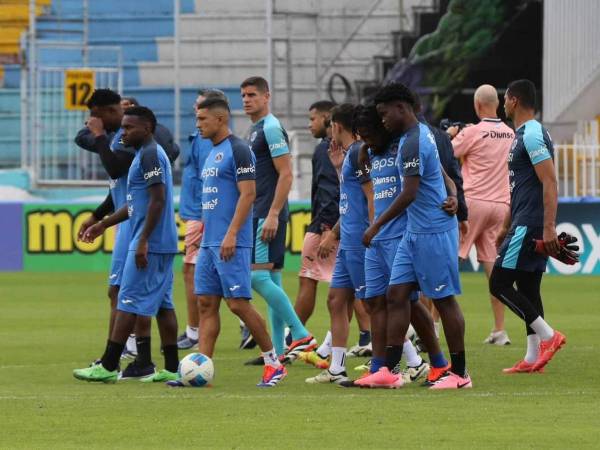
<point>362,175</point>
<point>463,142</point>
<point>533,140</point>
<point>276,138</point>
<point>152,167</point>
<point>412,166</point>
<point>244,161</point>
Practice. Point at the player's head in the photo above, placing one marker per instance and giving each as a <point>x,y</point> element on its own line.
<point>106,105</point>
<point>319,118</point>
<point>520,95</point>
<point>255,97</point>
<point>367,124</point>
<point>212,117</point>
<point>396,106</point>
<point>128,102</point>
<point>138,125</point>
<point>485,101</point>
<point>204,94</point>
<point>341,122</point>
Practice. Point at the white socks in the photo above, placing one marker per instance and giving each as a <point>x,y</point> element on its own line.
<point>338,360</point>
<point>410,352</point>
<point>131,345</point>
<point>542,329</point>
<point>270,358</point>
<point>533,348</point>
<point>324,349</point>
<point>191,332</point>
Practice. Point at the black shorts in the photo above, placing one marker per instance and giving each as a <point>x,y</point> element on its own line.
<point>272,252</point>
<point>517,251</point>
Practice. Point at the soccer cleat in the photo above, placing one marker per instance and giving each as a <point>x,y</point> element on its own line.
<point>522,367</point>
<point>258,361</point>
<point>134,371</point>
<point>175,383</point>
<point>360,351</point>
<point>383,378</point>
<point>548,349</point>
<point>352,383</point>
<point>326,377</point>
<point>364,367</point>
<point>301,345</point>
<point>452,381</point>
<point>435,373</point>
<point>161,377</point>
<point>128,354</point>
<point>96,373</point>
<point>497,338</point>
<point>272,376</point>
<point>411,374</point>
<point>248,341</point>
<point>314,359</point>
<point>184,342</point>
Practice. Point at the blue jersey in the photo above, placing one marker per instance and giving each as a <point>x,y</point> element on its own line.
<point>149,167</point>
<point>531,146</point>
<point>228,162</point>
<point>387,184</point>
<point>190,199</point>
<point>354,210</point>
<point>118,187</point>
<point>268,140</point>
<point>418,156</point>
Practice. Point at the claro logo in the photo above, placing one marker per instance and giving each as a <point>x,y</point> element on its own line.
<point>411,164</point>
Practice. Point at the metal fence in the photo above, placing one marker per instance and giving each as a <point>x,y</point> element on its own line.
<point>578,170</point>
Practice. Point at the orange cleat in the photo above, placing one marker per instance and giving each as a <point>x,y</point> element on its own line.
<point>548,349</point>
<point>435,373</point>
<point>522,367</point>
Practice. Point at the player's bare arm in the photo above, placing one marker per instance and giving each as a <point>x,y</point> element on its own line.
<point>450,205</point>
<point>547,176</point>
<point>243,207</point>
<point>367,188</point>
<point>328,241</point>
<point>98,229</point>
<point>156,205</point>
<point>398,206</point>
<point>106,207</point>
<point>283,166</point>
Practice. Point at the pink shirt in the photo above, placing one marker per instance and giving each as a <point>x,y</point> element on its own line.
<point>484,148</point>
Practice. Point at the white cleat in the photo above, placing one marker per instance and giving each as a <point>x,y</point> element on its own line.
<point>411,374</point>
<point>497,338</point>
<point>359,351</point>
<point>326,377</point>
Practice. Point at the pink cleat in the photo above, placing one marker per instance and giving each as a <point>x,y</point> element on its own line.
<point>383,378</point>
<point>452,381</point>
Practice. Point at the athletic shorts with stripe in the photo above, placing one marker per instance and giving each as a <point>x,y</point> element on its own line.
<point>271,252</point>
<point>517,250</point>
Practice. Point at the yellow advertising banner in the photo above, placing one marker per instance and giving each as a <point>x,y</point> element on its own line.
<point>79,86</point>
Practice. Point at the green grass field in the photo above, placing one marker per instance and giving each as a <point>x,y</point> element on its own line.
<point>53,323</point>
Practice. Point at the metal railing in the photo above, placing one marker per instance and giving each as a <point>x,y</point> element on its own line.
<point>577,169</point>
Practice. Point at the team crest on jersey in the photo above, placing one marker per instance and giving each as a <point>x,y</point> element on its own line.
<point>219,157</point>
<point>253,136</point>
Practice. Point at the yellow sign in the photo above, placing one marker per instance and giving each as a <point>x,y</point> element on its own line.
<point>79,86</point>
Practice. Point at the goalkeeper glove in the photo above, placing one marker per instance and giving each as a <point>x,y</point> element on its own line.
<point>567,253</point>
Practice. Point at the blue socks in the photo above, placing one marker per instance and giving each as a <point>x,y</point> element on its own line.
<point>376,364</point>
<point>438,360</point>
<point>364,338</point>
<point>281,312</point>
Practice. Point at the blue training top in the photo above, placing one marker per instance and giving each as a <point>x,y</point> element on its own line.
<point>149,167</point>
<point>531,146</point>
<point>228,162</point>
<point>418,156</point>
<point>190,198</point>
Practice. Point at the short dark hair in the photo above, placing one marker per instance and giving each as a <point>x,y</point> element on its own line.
<point>131,100</point>
<point>366,116</point>
<point>322,106</point>
<point>395,92</point>
<point>143,113</point>
<point>343,114</point>
<point>524,90</point>
<point>213,93</point>
<point>259,82</point>
<point>103,97</point>
<point>214,103</point>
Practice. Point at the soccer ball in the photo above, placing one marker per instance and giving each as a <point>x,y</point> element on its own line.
<point>196,370</point>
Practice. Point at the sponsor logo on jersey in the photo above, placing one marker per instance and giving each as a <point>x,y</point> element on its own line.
<point>156,172</point>
<point>211,204</point>
<point>415,162</point>
<point>277,146</point>
<point>497,134</point>
<point>253,136</point>
<point>243,170</point>
<point>210,172</point>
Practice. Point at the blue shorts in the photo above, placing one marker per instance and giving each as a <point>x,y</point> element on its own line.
<point>517,250</point>
<point>349,271</point>
<point>119,254</point>
<point>271,252</point>
<point>145,291</point>
<point>431,260</point>
<point>379,259</point>
<point>231,279</point>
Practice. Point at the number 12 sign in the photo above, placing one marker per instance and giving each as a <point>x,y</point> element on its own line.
<point>79,86</point>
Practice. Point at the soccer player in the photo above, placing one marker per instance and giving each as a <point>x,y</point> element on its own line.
<point>356,212</point>
<point>223,269</point>
<point>269,143</point>
<point>484,149</point>
<point>427,255</point>
<point>190,211</point>
<point>147,282</point>
<point>534,199</point>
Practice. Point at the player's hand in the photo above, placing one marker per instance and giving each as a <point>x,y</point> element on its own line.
<point>87,223</point>
<point>450,205</point>
<point>96,126</point>
<point>551,243</point>
<point>141,254</point>
<point>228,246</point>
<point>452,131</point>
<point>92,232</point>
<point>269,229</point>
<point>326,245</point>
<point>370,233</point>
<point>463,228</point>
<point>336,155</point>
